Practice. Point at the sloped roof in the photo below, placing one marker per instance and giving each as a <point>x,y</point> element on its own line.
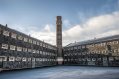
<point>109,38</point>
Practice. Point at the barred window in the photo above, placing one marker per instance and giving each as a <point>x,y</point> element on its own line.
<point>11,58</point>
<point>19,48</point>
<point>4,46</point>
<point>25,39</point>
<point>20,37</point>
<point>12,47</point>
<point>25,49</point>
<point>6,33</point>
<point>13,35</point>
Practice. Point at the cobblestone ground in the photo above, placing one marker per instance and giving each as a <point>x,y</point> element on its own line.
<point>64,72</point>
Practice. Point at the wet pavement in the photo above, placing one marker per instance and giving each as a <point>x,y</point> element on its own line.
<point>64,72</point>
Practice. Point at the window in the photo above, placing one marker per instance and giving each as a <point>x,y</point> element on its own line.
<point>0,59</point>
<point>25,39</point>
<point>34,51</point>
<point>75,47</point>
<point>115,50</point>
<point>37,59</point>
<point>38,43</point>
<point>19,48</point>
<point>29,59</point>
<point>43,45</point>
<point>40,52</point>
<point>3,58</point>
<point>18,59</point>
<point>23,59</point>
<point>37,51</point>
<point>115,42</point>
<point>29,50</point>
<point>4,46</point>
<point>13,35</point>
<point>11,58</point>
<point>20,37</point>
<point>6,33</point>
<point>25,49</point>
<point>43,53</point>
<point>34,42</point>
<point>12,47</point>
<point>30,41</point>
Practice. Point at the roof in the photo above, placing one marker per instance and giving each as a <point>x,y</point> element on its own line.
<point>109,38</point>
<point>23,34</point>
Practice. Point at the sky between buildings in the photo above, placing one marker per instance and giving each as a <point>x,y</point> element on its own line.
<point>82,19</point>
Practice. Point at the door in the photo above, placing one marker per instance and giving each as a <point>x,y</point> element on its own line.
<point>33,62</point>
<point>105,61</point>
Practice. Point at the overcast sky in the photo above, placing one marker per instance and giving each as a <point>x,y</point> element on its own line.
<point>82,19</point>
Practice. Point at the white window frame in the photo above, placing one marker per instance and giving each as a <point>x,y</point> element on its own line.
<point>25,49</point>
<point>4,46</point>
<point>29,50</point>
<point>34,42</point>
<point>18,58</point>
<point>20,37</point>
<point>12,47</point>
<point>13,35</point>
<point>6,33</point>
<point>11,58</point>
<point>30,41</point>
<point>25,39</point>
<point>19,48</point>
<point>24,59</point>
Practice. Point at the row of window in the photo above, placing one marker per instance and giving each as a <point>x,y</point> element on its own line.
<point>25,39</point>
<point>93,52</point>
<point>90,59</point>
<point>4,58</point>
<point>92,45</point>
<point>17,48</point>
